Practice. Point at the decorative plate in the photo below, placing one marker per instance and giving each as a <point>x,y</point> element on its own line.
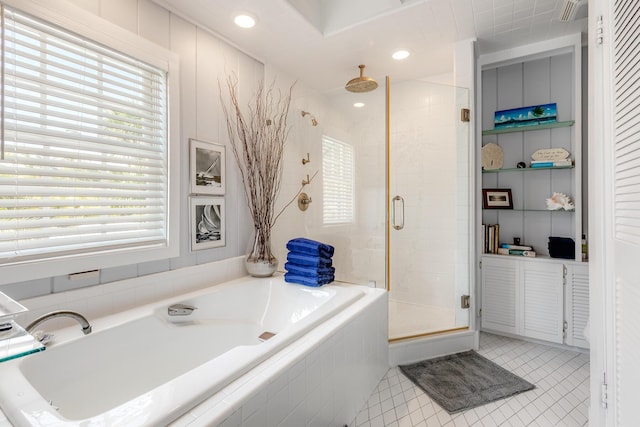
<point>492,157</point>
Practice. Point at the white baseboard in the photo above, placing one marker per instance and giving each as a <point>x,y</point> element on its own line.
<point>411,351</point>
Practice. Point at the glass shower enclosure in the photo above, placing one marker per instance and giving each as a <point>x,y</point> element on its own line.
<point>411,225</point>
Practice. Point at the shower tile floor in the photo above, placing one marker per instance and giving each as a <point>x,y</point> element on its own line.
<point>561,396</point>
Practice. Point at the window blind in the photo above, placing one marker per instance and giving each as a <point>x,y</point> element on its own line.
<point>84,132</point>
<point>338,173</point>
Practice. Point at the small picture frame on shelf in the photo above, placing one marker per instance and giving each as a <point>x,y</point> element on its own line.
<point>497,198</point>
<point>207,167</point>
<point>207,222</point>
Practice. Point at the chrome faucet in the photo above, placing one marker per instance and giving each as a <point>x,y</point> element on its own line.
<point>180,310</point>
<point>86,327</point>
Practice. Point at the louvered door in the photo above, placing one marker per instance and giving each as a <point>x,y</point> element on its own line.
<point>499,295</point>
<point>542,302</point>
<point>577,305</point>
<point>626,216</point>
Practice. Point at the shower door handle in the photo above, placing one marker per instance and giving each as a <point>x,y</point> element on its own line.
<point>393,211</point>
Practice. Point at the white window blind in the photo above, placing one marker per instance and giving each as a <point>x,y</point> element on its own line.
<point>84,132</point>
<point>338,184</point>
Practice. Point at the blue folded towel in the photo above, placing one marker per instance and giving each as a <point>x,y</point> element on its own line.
<point>311,247</point>
<point>308,281</point>
<point>309,271</point>
<point>308,260</point>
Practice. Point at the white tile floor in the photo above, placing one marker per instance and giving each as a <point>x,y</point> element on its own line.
<point>561,396</point>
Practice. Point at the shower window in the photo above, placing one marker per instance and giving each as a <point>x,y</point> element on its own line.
<point>338,182</point>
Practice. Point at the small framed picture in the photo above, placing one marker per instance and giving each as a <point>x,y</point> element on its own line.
<point>206,167</point>
<point>207,222</point>
<point>497,198</point>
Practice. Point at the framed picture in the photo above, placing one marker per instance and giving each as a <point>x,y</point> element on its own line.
<point>497,198</point>
<point>207,222</point>
<point>206,167</point>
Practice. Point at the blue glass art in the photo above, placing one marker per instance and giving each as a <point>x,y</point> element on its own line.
<point>525,116</point>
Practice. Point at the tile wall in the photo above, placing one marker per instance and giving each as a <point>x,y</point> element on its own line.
<point>360,245</point>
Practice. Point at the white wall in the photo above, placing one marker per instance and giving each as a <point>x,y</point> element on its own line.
<point>203,59</point>
<point>360,247</point>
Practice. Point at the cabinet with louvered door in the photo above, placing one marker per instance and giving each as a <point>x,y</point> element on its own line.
<point>523,297</point>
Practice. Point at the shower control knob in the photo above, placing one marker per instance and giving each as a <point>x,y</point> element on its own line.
<point>303,201</point>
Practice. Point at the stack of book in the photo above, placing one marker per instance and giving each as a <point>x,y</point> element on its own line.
<point>520,250</point>
<point>490,236</point>
<point>551,163</point>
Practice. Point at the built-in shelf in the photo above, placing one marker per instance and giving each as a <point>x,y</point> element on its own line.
<point>526,210</point>
<point>525,169</point>
<point>529,128</point>
<point>538,257</point>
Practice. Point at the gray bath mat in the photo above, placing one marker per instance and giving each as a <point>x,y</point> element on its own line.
<point>464,380</point>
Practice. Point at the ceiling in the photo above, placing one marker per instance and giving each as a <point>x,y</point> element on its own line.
<point>322,42</point>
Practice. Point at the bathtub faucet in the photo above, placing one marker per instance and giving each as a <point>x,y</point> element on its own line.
<point>180,309</point>
<point>86,327</point>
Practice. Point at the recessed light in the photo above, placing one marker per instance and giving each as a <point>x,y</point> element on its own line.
<point>400,55</point>
<point>359,104</point>
<point>244,20</point>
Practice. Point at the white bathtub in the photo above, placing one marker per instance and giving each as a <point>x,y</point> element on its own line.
<point>143,367</point>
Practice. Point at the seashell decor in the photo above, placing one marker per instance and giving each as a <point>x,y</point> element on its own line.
<point>560,201</point>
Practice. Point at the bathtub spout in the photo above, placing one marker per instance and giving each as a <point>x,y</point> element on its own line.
<point>84,323</point>
<point>180,310</point>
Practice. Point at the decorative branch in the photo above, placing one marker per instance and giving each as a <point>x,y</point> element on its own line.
<point>257,142</point>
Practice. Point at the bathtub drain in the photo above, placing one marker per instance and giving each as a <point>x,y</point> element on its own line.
<point>266,335</point>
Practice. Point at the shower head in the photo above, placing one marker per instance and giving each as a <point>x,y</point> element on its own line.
<point>361,84</point>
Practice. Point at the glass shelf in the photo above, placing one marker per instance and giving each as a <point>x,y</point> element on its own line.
<point>529,128</point>
<point>16,342</point>
<point>525,169</point>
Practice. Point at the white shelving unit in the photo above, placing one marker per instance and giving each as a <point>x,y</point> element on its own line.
<point>521,296</point>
